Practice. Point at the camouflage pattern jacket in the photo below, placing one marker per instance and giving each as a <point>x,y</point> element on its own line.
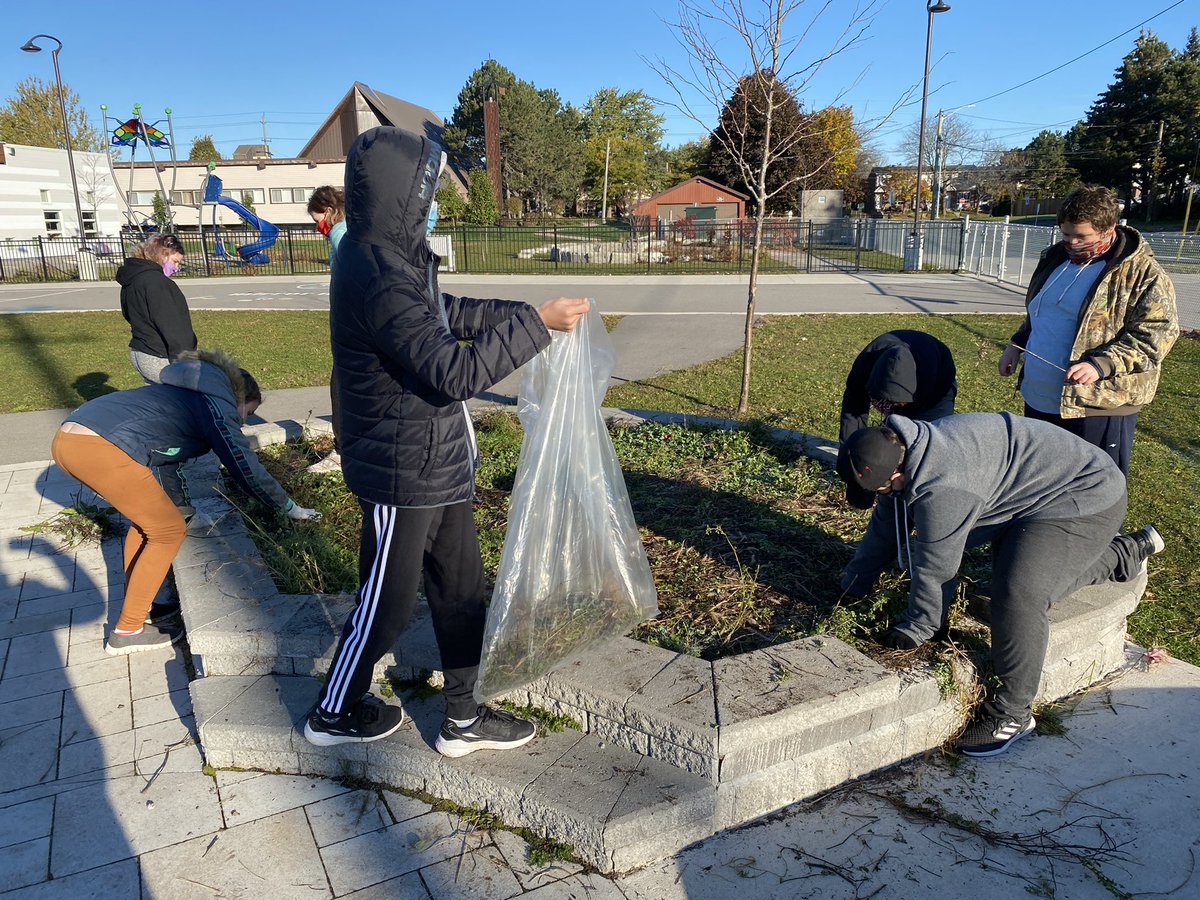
<point>1126,326</point>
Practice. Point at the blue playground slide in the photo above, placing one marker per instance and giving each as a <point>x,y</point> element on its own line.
<point>267,232</point>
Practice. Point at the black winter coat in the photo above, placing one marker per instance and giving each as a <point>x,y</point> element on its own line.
<point>908,367</point>
<point>406,356</point>
<point>156,309</point>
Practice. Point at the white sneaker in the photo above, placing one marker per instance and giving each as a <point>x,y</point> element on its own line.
<point>331,463</point>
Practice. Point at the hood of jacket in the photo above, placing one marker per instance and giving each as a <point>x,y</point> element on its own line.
<point>212,372</point>
<point>391,178</point>
<point>894,376</point>
<point>133,267</point>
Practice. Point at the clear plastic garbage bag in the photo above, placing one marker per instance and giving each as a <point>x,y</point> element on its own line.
<point>573,572</point>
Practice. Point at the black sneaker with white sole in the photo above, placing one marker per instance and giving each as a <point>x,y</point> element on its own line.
<point>150,637</point>
<point>1148,542</point>
<point>492,729</point>
<point>370,719</point>
<point>989,735</point>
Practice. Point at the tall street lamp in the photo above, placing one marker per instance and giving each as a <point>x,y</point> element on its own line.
<point>913,256</point>
<point>30,47</point>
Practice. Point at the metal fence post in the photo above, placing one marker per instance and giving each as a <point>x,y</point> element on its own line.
<point>42,253</point>
<point>649,238</point>
<point>466,260</point>
<point>858,242</point>
<point>557,254</point>
<point>292,258</point>
<point>962,242</point>
<point>808,260</point>
<point>1003,250</point>
<point>1024,245</point>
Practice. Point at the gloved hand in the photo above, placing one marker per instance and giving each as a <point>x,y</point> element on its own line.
<point>298,513</point>
<point>898,640</point>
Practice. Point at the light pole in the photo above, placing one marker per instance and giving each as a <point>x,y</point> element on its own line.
<point>912,256</point>
<point>938,160</point>
<point>30,47</point>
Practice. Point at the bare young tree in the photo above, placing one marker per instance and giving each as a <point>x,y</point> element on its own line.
<point>96,183</point>
<point>775,59</point>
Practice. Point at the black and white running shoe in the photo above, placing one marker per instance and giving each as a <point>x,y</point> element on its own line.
<point>370,719</point>
<point>989,735</point>
<point>491,730</point>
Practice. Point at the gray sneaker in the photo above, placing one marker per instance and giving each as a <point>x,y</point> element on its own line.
<point>149,638</point>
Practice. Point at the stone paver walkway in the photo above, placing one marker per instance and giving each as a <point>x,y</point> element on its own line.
<point>103,791</point>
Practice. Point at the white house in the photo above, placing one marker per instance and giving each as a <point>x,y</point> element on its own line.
<point>278,189</point>
<point>35,194</point>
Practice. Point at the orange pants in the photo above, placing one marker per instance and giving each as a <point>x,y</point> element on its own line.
<point>156,529</point>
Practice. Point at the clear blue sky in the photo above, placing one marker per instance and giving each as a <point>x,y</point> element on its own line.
<point>222,65</point>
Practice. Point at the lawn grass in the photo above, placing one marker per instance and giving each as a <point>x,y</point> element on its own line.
<point>799,373</point>
<point>59,360</point>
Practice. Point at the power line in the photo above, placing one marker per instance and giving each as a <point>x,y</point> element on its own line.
<point>1081,55</point>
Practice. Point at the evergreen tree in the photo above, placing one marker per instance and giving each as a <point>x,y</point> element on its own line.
<point>204,150</point>
<point>451,205</point>
<point>464,132</point>
<point>161,216</point>
<point>740,141</point>
<point>1046,170</point>
<point>481,202</point>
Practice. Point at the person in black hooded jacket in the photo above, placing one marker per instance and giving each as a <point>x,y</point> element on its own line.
<point>157,311</point>
<point>407,358</point>
<point>154,306</point>
<point>906,372</point>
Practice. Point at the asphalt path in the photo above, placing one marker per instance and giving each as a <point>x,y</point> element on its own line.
<point>638,295</point>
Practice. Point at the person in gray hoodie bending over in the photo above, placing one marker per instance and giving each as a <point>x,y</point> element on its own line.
<point>1049,503</point>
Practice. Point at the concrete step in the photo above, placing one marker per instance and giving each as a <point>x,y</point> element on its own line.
<point>618,809</point>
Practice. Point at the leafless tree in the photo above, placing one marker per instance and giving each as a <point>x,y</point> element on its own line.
<point>730,41</point>
<point>96,183</point>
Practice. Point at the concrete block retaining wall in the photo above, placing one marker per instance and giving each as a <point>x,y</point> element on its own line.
<point>671,749</point>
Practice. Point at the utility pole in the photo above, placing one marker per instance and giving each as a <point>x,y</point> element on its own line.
<point>266,146</point>
<point>937,168</point>
<point>604,202</point>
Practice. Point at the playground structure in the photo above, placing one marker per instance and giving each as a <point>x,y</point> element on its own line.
<point>135,130</point>
<point>252,252</point>
<point>128,134</point>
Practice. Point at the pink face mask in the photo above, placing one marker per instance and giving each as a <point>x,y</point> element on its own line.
<point>170,267</point>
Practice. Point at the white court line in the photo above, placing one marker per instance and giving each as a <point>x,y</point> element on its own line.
<point>4,298</point>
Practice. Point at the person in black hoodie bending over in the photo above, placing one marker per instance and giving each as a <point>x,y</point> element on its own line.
<point>154,306</point>
<point>407,358</point>
<point>909,373</point>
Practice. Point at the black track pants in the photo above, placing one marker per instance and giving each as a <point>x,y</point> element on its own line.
<point>398,546</point>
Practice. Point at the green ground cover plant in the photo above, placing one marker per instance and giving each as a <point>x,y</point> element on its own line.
<point>800,365</point>
<point>745,537</point>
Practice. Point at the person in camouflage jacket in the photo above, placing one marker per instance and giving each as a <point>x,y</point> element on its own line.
<point>1100,318</point>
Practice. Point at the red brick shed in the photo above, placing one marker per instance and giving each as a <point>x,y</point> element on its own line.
<point>699,198</point>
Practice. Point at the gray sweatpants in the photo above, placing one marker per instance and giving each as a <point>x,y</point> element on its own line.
<point>1036,563</point>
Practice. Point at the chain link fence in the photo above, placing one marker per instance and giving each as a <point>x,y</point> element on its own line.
<point>1009,253</point>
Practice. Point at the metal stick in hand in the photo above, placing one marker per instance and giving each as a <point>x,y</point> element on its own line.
<point>1043,359</point>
